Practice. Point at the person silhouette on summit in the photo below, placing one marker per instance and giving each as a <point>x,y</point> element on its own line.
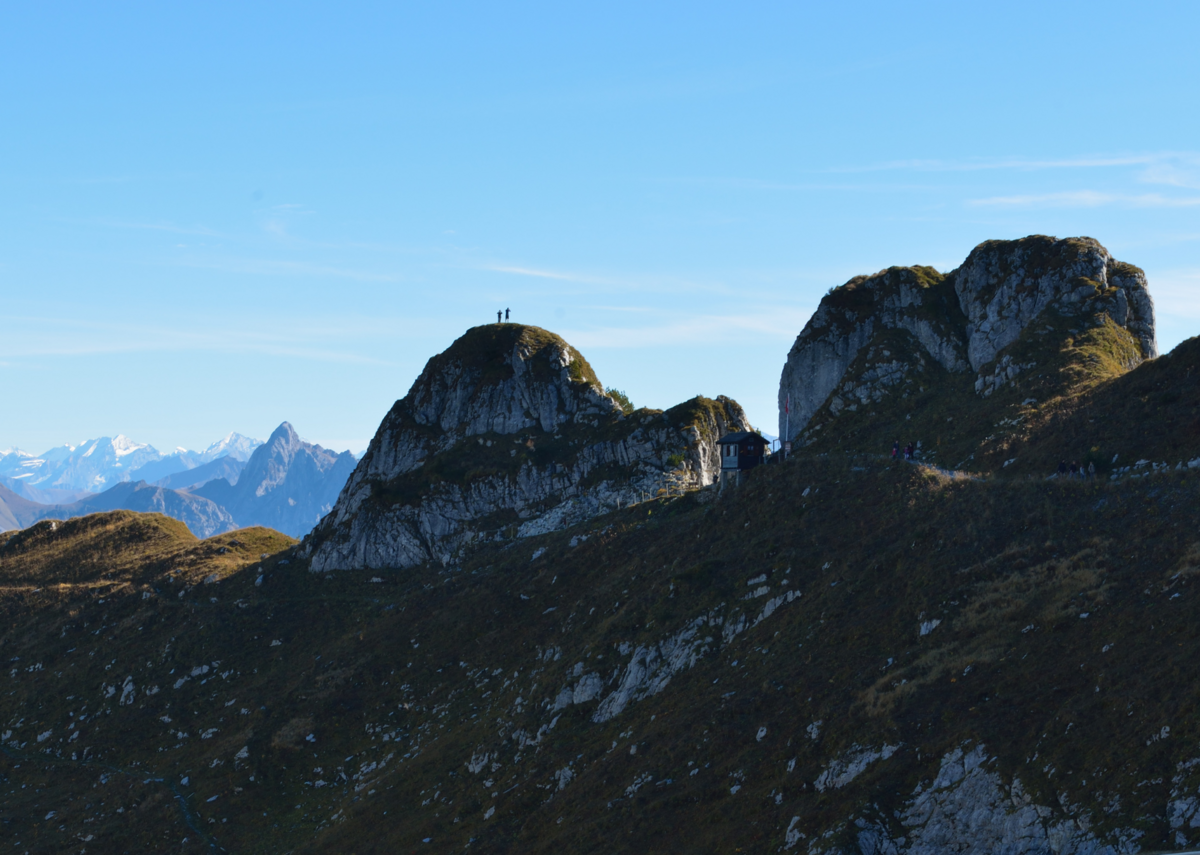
<point>497,316</point>
<point>506,314</point>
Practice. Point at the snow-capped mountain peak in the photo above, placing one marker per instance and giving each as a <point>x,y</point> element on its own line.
<point>123,445</point>
<point>98,464</point>
<point>234,445</point>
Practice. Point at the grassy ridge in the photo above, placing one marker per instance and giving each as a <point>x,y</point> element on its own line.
<point>422,671</point>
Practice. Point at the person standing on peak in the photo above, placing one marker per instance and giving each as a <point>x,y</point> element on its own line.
<point>497,316</point>
<point>506,311</point>
<point>895,449</point>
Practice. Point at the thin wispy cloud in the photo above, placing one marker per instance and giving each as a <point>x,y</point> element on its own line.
<point>100,179</point>
<point>1175,174</point>
<point>698,329</point>
<point>794,186</point>
<point>641,310</point>
<point>1085,199</point>
<point>42,337</point>
<point>275,267</point>
<point>172,228</point>
<point>539,274</point>
<point>1023,164</point>
<point>1173,169</point>
<point>642,283</point>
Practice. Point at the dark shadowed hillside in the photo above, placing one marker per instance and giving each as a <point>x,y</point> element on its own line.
<point>862,662</point>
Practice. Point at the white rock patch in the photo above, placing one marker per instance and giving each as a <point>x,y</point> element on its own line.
<point>841,771</point>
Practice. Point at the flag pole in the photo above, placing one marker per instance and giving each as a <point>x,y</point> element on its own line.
<point>787,422</point>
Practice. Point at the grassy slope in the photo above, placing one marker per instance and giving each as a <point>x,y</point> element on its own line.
<point>436,663</point>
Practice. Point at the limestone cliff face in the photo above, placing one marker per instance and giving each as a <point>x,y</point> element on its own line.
<point>1004,286</point>
<point>917,301</point>
<point>902,320</point>
<point>508,433</point>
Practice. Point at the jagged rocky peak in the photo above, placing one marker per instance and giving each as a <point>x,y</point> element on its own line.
<point>874,335</point>
<point>509,433</point>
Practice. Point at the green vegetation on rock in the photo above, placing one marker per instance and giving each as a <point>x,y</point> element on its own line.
<point>621,398</point>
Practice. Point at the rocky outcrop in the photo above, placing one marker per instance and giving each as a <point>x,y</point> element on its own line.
<point>1004,286</point>
<point>969,808</point>
<point>966,321</point>
<point>916,301</point>
<point>509,433</point>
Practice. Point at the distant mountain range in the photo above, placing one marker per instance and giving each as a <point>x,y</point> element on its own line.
<point>285,483</point>
<point>97,464</point>
<point>203,517</point>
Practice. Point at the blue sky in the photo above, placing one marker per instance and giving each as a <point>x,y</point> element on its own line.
<point>217,216</point>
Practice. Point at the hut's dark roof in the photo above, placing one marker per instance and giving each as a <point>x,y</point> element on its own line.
<point>739,436</point>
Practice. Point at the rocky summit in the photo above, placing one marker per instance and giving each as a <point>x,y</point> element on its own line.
<point>509,433</point>
<point>882,339</point>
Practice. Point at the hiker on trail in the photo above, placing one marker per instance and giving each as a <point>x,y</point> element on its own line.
<point>1091,470</point>
<point>497,316</point>
<point>506,314</point>
<point>895,449</point>
<point>1074,470</point>
<point>909,450</point>
<point>1062,468</point>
